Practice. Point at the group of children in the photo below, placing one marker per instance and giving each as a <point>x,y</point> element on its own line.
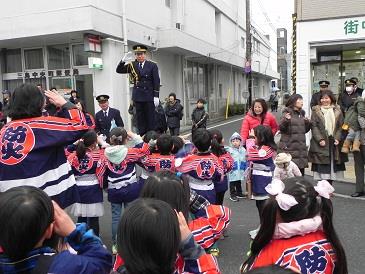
<point>190,177</point>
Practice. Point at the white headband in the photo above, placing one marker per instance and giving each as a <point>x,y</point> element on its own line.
<point>285,201</point>
<point>324,189</point>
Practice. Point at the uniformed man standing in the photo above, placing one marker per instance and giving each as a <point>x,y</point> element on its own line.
<point>323,85</point>
<point>146,80</point>
<point>107,117</point>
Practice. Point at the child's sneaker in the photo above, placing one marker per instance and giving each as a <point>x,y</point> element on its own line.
<point>233,198</point>
<point>241,196</point>
<point>214,251</point>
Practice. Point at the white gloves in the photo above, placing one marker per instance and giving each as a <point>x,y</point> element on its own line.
<point>156,101</point>
<point>128,57</point>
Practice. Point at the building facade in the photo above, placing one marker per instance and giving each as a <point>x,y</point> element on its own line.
<point>199,54</point>
<point>330,44</point>
<point>282,50</point>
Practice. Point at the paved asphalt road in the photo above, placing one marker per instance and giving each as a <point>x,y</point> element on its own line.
<point>349,219</point>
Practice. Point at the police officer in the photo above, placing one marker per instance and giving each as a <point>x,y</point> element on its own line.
<point>146,80</point>
<point>347,98</point>
<point>106,117</point>
<point>323,85</point>
<point>356,87</point>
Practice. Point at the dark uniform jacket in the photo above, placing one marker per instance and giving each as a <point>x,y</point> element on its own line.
<point>315,99</point>
<point>146,81</point>
<point>346,100</point>
<point>103,123</point>
<point>174,114</point>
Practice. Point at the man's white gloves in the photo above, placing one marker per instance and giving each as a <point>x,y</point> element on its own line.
<point>128,57</point>
<point>156,101</point>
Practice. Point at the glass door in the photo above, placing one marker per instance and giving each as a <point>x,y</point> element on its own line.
<point>84,87</point>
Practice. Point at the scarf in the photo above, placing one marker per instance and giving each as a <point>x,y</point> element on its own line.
<point>329,119</point>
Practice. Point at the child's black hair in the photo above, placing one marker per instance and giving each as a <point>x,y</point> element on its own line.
<point>309,205</point>
<point>217,138</point>
<point>118,136</point>
<point>201,100</point>
<point>149,237</point>
<point>25,102</point>
<point>178,144</point>
<point>87,140</point>
<point>164,144</point>
<point>202,139</point>
<point>264,136</point>
<point>25,214</point>
<point>168,187</point>
<point>151,135</point>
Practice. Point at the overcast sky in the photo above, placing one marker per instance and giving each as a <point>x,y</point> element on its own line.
<point>279,13</point>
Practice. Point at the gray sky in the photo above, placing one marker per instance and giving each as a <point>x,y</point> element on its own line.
<point>278,13</point>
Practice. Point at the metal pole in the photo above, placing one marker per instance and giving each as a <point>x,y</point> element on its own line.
<point>248,50</point>
<point>125,50</point>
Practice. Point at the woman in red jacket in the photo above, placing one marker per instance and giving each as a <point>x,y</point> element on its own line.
<point>258,115</point>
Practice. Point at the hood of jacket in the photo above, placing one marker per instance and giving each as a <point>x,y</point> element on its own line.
<point>235,136</point>
<point>292,111</point>
<point>116,154</point>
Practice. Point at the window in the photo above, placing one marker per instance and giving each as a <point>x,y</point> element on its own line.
<point>168,3</point>
<point>13,60</point>
<point>80,57</point>
<point>59,57</point>
<point>189,79</point>
<point>243,42</point>
<point>282,50</point>
<point>12,84</point>
<point>33,58</point>
<point>220,90</point>
<point>195,81</point>
<point>282,34</point>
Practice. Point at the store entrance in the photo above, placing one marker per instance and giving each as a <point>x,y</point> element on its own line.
<point>84,86</point>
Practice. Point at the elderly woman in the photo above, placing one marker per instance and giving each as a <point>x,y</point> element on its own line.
<point>324,152</point>
<point>257,115</point>
<point>32,146</point>
<point>293,127</point>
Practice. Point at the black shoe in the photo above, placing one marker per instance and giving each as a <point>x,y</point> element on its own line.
<point>241,196</point>
<point>357,194</point>
<point>233,198</point>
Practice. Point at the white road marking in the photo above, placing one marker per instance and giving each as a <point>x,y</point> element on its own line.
<point>348,197</point>
<point>219,125</point>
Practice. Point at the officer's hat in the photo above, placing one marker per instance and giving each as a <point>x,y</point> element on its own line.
<point>349,82</point>
<point>139,48</point>
<point>6,92</point>
<point>324,83</point>
<point>355,80</point>
<point>102,98</point>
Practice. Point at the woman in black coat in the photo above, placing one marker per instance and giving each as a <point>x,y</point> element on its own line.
<point>293,127</point>
<point>174,113</point>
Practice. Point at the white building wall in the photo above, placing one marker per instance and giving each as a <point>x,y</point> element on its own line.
<point>199,20</point>
<point>324,32</point>
<point>153,24</point>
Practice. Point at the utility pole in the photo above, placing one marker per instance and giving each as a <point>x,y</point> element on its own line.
<point>248,52</point>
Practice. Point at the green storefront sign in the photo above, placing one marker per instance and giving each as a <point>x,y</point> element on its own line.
<point>354,26</point>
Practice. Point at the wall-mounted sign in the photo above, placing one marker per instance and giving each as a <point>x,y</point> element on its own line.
<point>92,43</point>
<point>50,73</point>
<point>95,63</point>
<point>354,26</point>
